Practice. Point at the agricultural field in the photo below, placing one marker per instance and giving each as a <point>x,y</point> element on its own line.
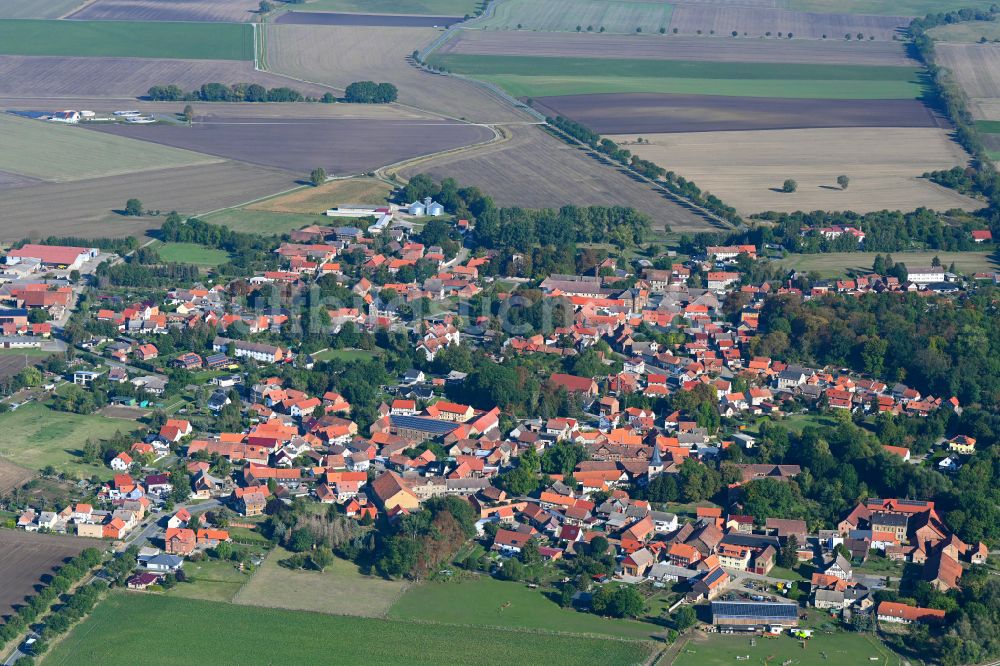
<point>976,68</point>
<point>426,7</point>
<point>565,15</point>
<point>535,170</point>
<point>36,436</point>
<point>338,55</point>
<point>835,264</point>
<point>12,476</point>
<point>676,47</point>
<point>317,200</point>
<point>905,7</point>
<point>724,19</point>
<point>366,20</point>
<point>11,364</point>
<point>35,9</point>
<point>61,76</point>
<point>747,169</point>
<point>649,113</point>
<point>26,557</point>
<point>821,649</point>
<point>138,39</point>
<point>192,253</point>
<point>266,223</point>
<point>225,633</point>
<point>525,76</point>
<point>341,146</point>
<point>61,153</point>
<point>340,590</point>
<point>492,603</point>
<point>9,181</point>
<point>233,11</point>
<point>86,208</point>
<point>969,31</point>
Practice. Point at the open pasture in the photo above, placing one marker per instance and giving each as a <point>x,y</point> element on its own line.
<point>340,146</point>
<point>86,208</point>
<point>533,169</point>
<point>49,151</point>
<point>317,200</point>
<point>12,476</point>
<point>615,16</point>
<point>648,113</point>
<point>677,47</point>
<point>265,223</point>
<point>26,557</point>
<point>223,633</point>
<point>747,169</point>
<point>370,20</point>
<point>37,9</point>
<point>234,11</point>
<point>723,19</point>
<point>192,253</point>
<point>425,7</point>
<point>62,76</point>
<point>339,55</point>
<point>820,650</point>
<point>138,39</point>
<point>836,264</point>
<point>527,76</point>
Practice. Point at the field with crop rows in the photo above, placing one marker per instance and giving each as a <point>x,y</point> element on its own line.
<point>613,16</point>
<point>175,10</point>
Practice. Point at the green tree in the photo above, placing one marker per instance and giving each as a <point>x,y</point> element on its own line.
<point>788,555</point>
<point>843,181</point>
<point>188,114</point>
<point>321,558</point>
<point>133,208</point>
<point>318,176</point>
<point>684,618</point>
<point>789,186</point>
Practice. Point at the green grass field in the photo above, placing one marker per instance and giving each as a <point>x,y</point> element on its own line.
<point>565,15</point>
<point>191,253</point>
<point>885,7</point>
<point>138,39</point>
<point>211,580</point>
<point>344,355</point>
<point>428,7</point>
<point>971,31</point>
<point>340,590</point>
<point>820,650</point>
<point>528,76</point>
<point>265,223</point>
<point>59,153</point>
<point>988,126</point>
<point>492,603</point>
<point>836,264</point>
<point>35,436</point>
<point>37,9</point>
<point>155,629</point>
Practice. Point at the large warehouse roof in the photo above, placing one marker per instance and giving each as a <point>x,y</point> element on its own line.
<point>754,610</point>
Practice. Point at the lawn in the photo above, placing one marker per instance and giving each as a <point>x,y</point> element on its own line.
<point>316,200</point>
<point>36,436</point>
<point>191,253</point>
<point>798,422</point>
<point>821,649</point>
<point>340,590</point>
<point>60,153</point>
<point>492,603</point>
<point>211,580</point>
<point>346,355</point>
<point>136,39</point>
<point>265,223</point>
<point>427,7</point>
<point>835,264</point>
<point>886,7</point>
<point>529,76</point>
<point>155,629</point>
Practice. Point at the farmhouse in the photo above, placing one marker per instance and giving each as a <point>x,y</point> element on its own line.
<point>55,256</point>
<point>890,611</point>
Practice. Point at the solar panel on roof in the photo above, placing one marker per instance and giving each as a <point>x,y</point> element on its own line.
<point>754,610</point>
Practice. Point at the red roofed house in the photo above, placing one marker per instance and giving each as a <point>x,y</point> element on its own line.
<point>179,541</point>
<point>574,384</point>
<point>890,611</point>
<point>53,255</point>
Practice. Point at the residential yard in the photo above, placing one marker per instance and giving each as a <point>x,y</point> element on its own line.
<point>823,648</point>
<point>834,264</point>
<point>154,629</point>
<point>346,355</point>
<point>492,603</point>
<point>36,436</point>
<point>340,590</point>
<point>191,253</point>
<point>211,580</point>
<point>267,223</point>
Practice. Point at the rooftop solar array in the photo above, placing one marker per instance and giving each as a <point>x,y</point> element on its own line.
<point>754,610</point>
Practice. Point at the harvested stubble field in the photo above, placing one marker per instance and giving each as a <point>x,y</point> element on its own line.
<point>236,11</point>
<point>37,9</point>
<point>976,67</point>
<point>565,15</point>
<point>10,180</point>
<point>370,20</point>
<point>342,147</point>
<point>835,264</point>
<point>649,113</point>
<point>62,76</point>
<point>135,39</point>
<point>688,19</point>
<point>316,200</point>
<point>25,557</point>
<point>904,7</point>
<point>530,76</point>
<point>747,169</point>
<point>677,47</point>
<point>426,7</point>
<point>12,476</point>
<point>970,31</point>
<point>339,55</point>
<point>535,170</point>
<point>222,633</point>
<point>85,207</point>
<point>60,153</point>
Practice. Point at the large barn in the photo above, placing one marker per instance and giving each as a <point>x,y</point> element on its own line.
<point>753,615</point>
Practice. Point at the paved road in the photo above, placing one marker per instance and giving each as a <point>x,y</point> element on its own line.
<point>140,537</point>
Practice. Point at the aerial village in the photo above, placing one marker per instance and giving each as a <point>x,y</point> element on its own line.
<point>645,454</point>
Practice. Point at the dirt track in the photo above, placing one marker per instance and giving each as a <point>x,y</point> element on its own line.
<point>678,47</point>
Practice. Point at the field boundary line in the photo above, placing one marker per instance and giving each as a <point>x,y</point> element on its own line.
<point>500,136</point>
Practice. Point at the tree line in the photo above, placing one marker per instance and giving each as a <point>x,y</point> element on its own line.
<point>234,92</point>
<point>369,92</point>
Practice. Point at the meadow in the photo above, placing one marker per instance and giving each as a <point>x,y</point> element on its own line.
<point>821,649</point>
<point>566,15</point>
<point>153,39</point>
<point>264,222</point>
<point>191,253</point>
<point>487,602</point>
<point>346,355</point>
<point>221,633</point>
<point>835,264</point>
<point>36,436</point>
<point>60,153</point>
<point>210,580</point>
<point>527,76</point>
<point>428,7</point>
